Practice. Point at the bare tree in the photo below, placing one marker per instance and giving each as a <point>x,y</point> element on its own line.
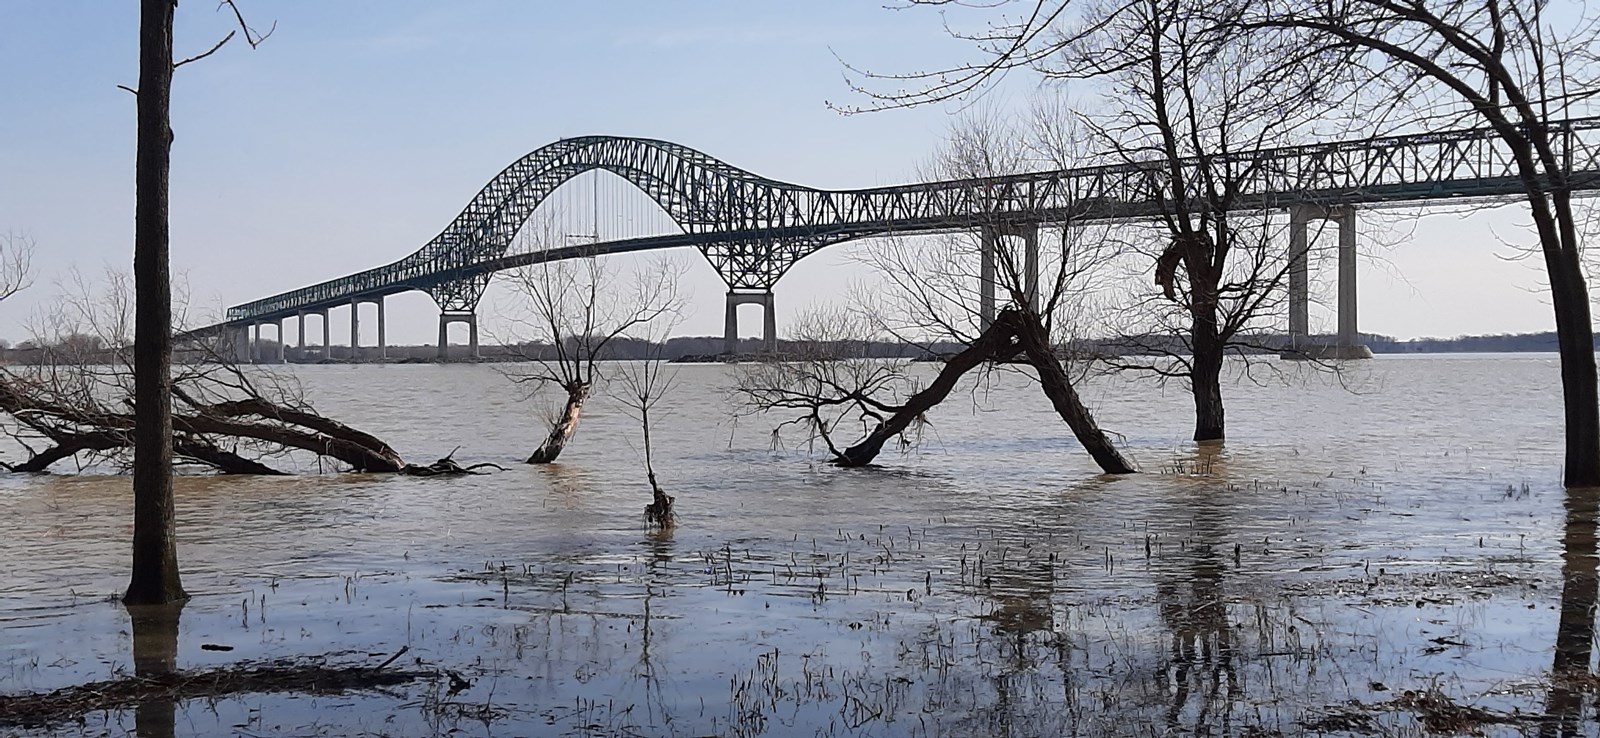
<point>640,385</point>
<point>155,554</point>
<point>1518,67</point>
<point>994,301</point>
<point>1189,103</point>
<point>16,263</point>
<point>572,312</point>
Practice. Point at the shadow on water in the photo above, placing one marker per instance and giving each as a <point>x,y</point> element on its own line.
<point>1570,672</point>
<point>155,654</point>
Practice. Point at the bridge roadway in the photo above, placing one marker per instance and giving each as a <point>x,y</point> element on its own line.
<point>752,229</point>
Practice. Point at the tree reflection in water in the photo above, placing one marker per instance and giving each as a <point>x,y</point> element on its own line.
<point>1575,631</point>
<point>155,653</point>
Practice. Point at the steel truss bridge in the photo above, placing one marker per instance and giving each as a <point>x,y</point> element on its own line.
<point>753,229</point>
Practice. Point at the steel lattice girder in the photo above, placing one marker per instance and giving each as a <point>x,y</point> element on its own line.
<point>752,229</point>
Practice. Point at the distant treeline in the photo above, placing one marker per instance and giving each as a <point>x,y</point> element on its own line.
<point>1503,342</point>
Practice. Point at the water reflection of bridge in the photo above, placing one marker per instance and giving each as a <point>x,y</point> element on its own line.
<point>753,229</point>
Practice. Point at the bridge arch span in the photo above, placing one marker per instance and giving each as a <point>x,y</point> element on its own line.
<point>695,190</point>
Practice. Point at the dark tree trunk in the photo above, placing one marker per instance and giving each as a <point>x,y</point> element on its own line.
<point>1034,338</point>
<point>561,432</point>
<point>1205,375</point>
<point>1575,339</point>
<point>155,551</point>
<point>995,343</point>
<point>659,511</point>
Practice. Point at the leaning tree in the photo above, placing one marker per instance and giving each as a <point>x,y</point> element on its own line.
<point>567,315</point>
<point>1009,292</point>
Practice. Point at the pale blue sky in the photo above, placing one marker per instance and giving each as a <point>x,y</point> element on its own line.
<point>359,129</point>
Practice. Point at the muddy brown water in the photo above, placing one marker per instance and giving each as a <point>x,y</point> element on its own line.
<point>1360,542</point>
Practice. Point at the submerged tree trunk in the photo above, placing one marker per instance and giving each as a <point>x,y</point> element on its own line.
<point>995,343</point>
<point>155,551</point>
<point>1034,339</point>
<point>561,432</point>
<point>659,511</point>
<point>1205,375</point>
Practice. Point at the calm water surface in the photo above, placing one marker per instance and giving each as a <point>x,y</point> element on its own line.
<point>1362,539</point>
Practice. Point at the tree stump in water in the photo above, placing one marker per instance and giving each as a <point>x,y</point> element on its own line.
<point>659,512</point>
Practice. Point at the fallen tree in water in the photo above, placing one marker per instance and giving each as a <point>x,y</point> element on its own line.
<point>56,415</point>
<point>77,403</point>
<point>68,704</point>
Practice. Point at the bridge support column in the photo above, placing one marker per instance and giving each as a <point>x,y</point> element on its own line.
<point>383,344</point>
<point>282,353</point>
<point>1299,279</point>
<point>468,317</point>
<point>989,242</point>
<point>769,322</point>
<point>1348,343</point>
<point>239,344</point>
<point>1349,339</point>
<point>254,336</point>
<point>327,341</point>
<point>355,330</point>
<point>300,324</point>
<point>1030,265</point>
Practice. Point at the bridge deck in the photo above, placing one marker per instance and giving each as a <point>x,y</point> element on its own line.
<point>754,228</point>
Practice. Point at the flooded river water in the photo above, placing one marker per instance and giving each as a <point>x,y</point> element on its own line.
<point>1385,551</point>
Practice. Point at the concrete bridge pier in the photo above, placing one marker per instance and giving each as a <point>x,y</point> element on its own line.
<point>990,239</point>
<point>282,354</point>
<point>327,341</point>
<point>300,324</point>
<point>238,345</point>
<point>355,329</point>
<point>446,317</point>
<point>1348,344</point>
<point>258,351</point>
<point>383,341</point>
<point>769,322</point>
